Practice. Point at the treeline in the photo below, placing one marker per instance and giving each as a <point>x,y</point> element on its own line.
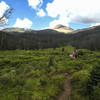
<point>32,40</point>
<point>87,39</point>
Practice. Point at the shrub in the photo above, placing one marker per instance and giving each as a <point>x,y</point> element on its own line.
<point>93,86</point>
<point>79,82</point>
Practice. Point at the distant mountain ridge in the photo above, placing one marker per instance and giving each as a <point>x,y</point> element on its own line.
<point>59,28</point>
<point>62,28</point>
<point>16,29</point>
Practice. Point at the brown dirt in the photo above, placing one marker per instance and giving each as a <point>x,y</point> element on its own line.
<point>65,95</point>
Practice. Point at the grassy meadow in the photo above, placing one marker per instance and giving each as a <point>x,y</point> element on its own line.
<point>40,74</point>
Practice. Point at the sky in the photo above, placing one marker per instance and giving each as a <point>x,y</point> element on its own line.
<point>42,14</point>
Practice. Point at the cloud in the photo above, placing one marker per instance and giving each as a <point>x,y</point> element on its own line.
<point>3,8</point>
<point>41,13</point>
<point>25,23</point>
<point>80,11</point>
<point>96,24</point>
<point>1,28</point>
<point>62,20</point>
<point>35,4</point>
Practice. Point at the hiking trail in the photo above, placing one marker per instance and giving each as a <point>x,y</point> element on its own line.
<point>65,95</point>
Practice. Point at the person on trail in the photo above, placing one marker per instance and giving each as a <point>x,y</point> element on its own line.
<point>74,54</point>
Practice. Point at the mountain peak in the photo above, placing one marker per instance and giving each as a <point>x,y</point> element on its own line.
<point>62,28</point>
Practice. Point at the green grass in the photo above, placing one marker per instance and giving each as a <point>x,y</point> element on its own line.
<point>40,74</point>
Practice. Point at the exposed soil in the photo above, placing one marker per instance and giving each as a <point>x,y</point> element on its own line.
<point>65,95</point>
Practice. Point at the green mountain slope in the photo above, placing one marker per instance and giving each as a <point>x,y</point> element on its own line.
<point>86,38</point>
<point>32,40</point>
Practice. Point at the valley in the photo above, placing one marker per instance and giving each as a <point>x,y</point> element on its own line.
<point>41,74</point>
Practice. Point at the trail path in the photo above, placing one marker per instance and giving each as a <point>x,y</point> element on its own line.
<point>67,90</point>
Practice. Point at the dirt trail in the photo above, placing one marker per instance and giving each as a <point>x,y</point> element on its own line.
<point>67,90</point>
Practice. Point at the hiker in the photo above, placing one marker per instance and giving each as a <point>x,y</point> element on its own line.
<point>74,54</point>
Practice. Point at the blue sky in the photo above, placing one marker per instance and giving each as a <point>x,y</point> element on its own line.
<point>41,14</point>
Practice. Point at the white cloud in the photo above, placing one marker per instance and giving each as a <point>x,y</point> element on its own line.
<point>35,4</point>
<point>96,24</point>
<point>3,8</point>
<point>81,11</point>
<point>25,23</point>
<point>1,28</point>
<point>62,20</point>
<point>41,13</point>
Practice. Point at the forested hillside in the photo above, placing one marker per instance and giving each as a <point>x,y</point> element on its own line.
<point>85,38</point>
<point>32,40</point>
